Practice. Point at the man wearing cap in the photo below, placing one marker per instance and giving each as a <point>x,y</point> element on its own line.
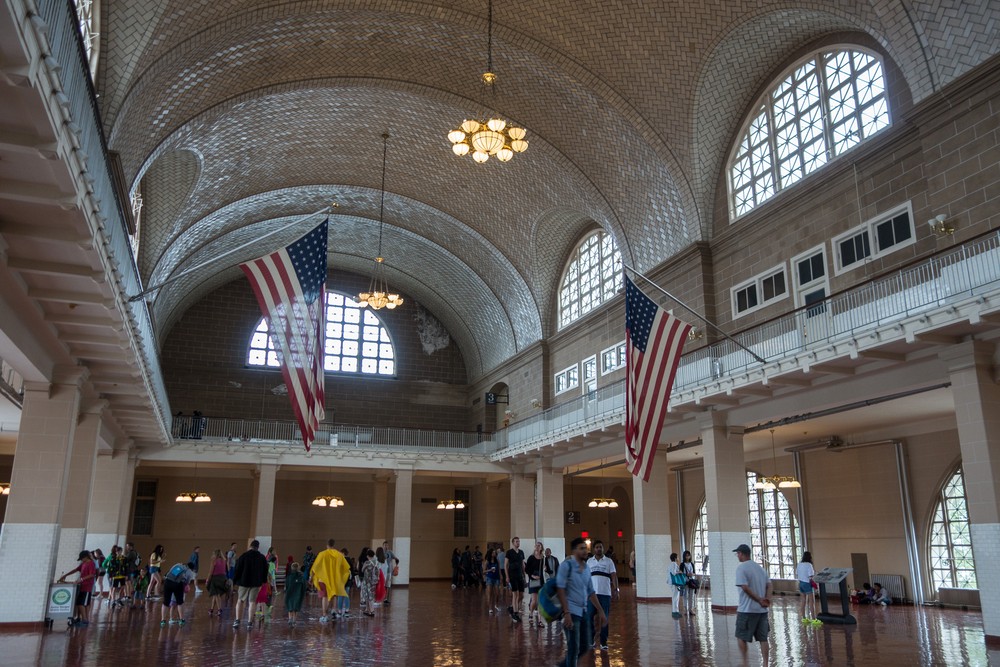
<point>85,586</point>
<point>755,598</point>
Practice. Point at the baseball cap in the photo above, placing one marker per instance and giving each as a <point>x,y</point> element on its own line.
<point>83,554</point>
<point>743,549</point>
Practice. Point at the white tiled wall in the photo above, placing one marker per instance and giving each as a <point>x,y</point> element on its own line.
<point>25,581</point>
<point>986,549</point>
<point>724,562</point>
<point>652,566</point>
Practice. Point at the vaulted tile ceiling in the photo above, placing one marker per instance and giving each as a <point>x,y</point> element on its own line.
<point>238,116</point>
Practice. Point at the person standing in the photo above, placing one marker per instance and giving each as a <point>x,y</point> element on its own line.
<point>85,587</point>
<point>631,565</point>
<point>344,603</point>
<point>679,583</point>
<point>231,561</point>
<point>175,583</point>
<point>575,588</point>
<point>194,561</point>
<point>155,577</point>
<point>491,574</point>
<point>551,566</point>
<point>249,574</point>
<point>369,580</point>
<point>691,589</point>
<point>295,590</point>
<point>456,568</point>
<point>216,583</point>
<point>755,598</point>
<point>804,572</point>
<point>133,562</point>
<point>514,568</point>
<point>393,562</point>
<point>98,557</point>
<point>329,575</point>
<point>605,580</point>
<point>307,562</point>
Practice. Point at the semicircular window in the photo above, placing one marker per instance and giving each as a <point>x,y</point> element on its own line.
<point>356,341</point>
<point>821,107</point>
<point>952,563</point>
<point>592,276</point>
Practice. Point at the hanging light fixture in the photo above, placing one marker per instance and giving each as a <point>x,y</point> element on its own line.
<point>378,295</point>
<point>193,496</point>
<point>493,136</point>
<point>775,481</point>
<point>328,500</point>
<point>4,488</point>
<point>603,503</point>
<point>450,503</point>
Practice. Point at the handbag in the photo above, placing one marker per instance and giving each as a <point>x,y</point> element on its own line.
<point>680,579</point>
<point>693,584</point>
<point>814,585</point>
<point>395,571</point>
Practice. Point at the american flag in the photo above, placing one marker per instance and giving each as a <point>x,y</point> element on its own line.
<point>290,285</point>
<point>653,342</point>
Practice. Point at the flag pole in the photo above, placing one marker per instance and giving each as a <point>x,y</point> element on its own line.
<point>699,316</point>
<point>162,283</point>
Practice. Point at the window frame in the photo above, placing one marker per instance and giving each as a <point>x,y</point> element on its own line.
<point>940,503</point>
<point>758,282</point>
<point>596,294</point>
<point>567,372</point>
<point>870,226</point>
<point>763,551</point>
<point>765,105</point>
<point>619,351</point>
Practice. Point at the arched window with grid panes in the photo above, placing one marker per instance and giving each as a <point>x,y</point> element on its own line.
<point>699,541</point>
<point>592,276</point>
<point>774,531</point>
<point>818,109</point>
<point>950,543</point>
<point>356,341</point>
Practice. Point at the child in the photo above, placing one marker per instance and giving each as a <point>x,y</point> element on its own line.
<point>85,586</point>
<point>295,590</point>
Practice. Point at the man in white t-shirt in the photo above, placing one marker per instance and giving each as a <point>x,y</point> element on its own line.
<point>604,576</point>
<point>755,598</point>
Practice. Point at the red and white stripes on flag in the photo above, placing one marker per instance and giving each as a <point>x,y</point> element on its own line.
<point>290,286</point>
<point>654,340</point>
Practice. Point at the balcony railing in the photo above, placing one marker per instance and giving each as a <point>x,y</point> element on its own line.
<point>219,430</point>
<point>62,33</point>
<point>944,279</point>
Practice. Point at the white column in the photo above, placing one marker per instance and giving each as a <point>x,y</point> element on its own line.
<point>110,497</point>
<point>549,510</point>
<point>653,543</point>
<point>977,411</point>
<point>726,504</point>
<point>76,495</point>
<point>30,534</point>
<point>264,517</point>
<point>400,544</point>
<point>380,510</point>
<point>522,511</point>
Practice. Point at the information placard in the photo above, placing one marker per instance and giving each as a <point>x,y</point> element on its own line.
<point>61,600</point>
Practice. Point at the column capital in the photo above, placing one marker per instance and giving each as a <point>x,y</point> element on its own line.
<point>70,375</point>
<point>93,407</point>
<point>712,420</point>
<point>967,354</point>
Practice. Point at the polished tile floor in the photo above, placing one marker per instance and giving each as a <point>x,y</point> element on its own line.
<point>431,625</point>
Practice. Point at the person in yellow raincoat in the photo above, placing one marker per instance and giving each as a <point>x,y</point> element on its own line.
<point>329,575</point>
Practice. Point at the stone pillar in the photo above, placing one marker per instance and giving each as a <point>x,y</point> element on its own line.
<point>977,411</point>
<point>30,533</point>
<point>522,512</point>
<point>726,503</point>
<point>76,495</point>
<point>652,532</point>
<point>264,516</point>
<point>400,544</point>
<point>549,510</point>
<point>128,482</point>
<point>380,511</point>
<point>110,497</point>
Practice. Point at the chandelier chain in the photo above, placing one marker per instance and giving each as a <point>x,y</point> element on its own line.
<point>381,205</point>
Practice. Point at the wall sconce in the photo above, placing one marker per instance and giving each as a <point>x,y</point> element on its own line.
<point>535,403</point>
<point>695,334</point>
<point>939,226</point>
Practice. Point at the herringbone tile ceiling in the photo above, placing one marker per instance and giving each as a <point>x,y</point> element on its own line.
<point>239,115</point>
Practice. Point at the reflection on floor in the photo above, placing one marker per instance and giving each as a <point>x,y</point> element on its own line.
<point>430,624</point>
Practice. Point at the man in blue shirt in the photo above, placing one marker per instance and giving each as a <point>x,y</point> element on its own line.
<point>575,589</point>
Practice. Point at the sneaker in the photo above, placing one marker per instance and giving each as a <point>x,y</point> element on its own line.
<point>236,623</point>
<point>675,614</point>
<point>181,622</point>
<point>322,619</point>
<point>517,617</point>
<point>604,647</point>
<point>249,624</point>
<point>491,611</point>
<point>163,624</point>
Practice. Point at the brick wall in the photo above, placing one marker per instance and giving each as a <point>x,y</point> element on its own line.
<point>204,359</point>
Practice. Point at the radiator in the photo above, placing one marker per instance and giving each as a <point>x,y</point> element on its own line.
<point>893,583</point>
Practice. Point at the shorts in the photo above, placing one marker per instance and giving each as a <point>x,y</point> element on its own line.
<point>230,573</point>
<point>805,587</point>
<point>492,582</point>
<point>117,583</point>
<point>750,626</point>
<point>247,593</point>
<point>534,586</point>
<point>173,589</point>
<point>321,590</point>
<point>82,598</point>
<point>517,584</point>
<point>153,570</point>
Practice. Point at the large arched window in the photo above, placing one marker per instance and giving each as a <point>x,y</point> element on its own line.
<point>593,275</point>
<point>823,106</point>
<point>699,541</point>
<point>952,565</point>
<point>356,341</point>
<point>86,15</point>
<point>774,531</point>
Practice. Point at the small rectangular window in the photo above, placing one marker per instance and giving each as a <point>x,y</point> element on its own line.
<point>613,358</point>
<point>590,369</point>
<point>876,237</point>
<point>854,249</point>
<point>894,231</point>
<point>811,268</point>
<point>461,516</point>
<point>142,509</point>
<point>759,291</point>
<point>567,379</point>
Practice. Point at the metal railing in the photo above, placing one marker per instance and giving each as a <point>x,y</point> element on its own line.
<point>62,33</point>
<point>965,271</point>
<point>221,430</point>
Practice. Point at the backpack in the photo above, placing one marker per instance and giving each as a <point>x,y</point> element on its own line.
<point>176,571</point>
<point>548,601</point>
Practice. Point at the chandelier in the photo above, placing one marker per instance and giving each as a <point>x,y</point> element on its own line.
<point>327,501</point>
<point>4,489</point>
<point>450,505</point>
<point>378,295</point>
<point>603,502</point>
<point>193,496</point>
<point>493,136</point>
<point>776,481</point>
